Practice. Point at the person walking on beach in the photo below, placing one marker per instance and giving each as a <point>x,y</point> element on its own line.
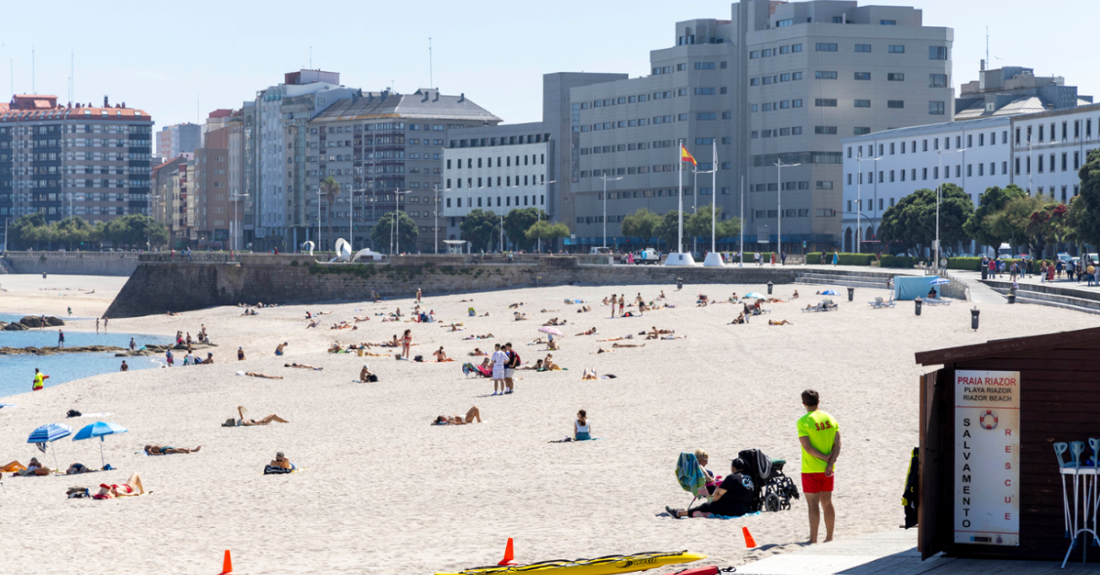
<point>70,311</point>
<point>60,338</point>
<point>133,345</point>
<point>171,359</point>
<point>819,435</point>
<point>97,325</point>
<point>406,343</point>
<point>39,380</point>
<point>105,320</point>
<point>622,303</point>
<point>499,359</point>
<point>510,367</point>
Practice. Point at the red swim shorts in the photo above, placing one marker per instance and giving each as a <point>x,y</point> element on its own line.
<point>817,482</point>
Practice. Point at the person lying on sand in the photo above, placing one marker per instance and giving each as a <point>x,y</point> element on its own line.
<point>441,356</point>
<point>614,339</point>
<point>303,366</point>
<point>584,309</point>
<point>555,321</point>
<point>262,375</point>
<point>519,316</point>
<point>471,415</point>
<point>589,373</point>
<point>335,348</point>
<point>131,488</point>
<point>618,345</point>
<point>774,322</point>
<point>477,352</point>
<point>602,350</point>
<point>281,462</point>
<point>78,468</point>
<point>536,367</point>
<point>163,450</point>
<point>515,305</point>
<point>486,336</point>
<point>242,422</point>
<point>588,332</point>
<point>548,311</point>
<point>33,468</point>
<point>173,314</point>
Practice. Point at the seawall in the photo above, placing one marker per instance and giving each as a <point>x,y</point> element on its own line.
<point>71,263</point>
<point>159,287</point>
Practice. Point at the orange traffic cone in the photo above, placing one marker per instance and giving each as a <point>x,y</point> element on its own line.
<point>508,554</point>
<point>227,564</point>
<point>749,541</point>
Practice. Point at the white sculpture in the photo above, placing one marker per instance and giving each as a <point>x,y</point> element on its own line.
<point>308,246</point>
<point>343,251</point>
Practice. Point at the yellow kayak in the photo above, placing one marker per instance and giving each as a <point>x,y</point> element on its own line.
<point>610,565</point>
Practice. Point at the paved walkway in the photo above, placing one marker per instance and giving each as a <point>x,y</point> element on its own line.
<point>893,552</point>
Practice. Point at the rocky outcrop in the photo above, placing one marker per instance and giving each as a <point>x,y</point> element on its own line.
<point>14,327</point>
<point>35,321</point>
<point>57,350</point>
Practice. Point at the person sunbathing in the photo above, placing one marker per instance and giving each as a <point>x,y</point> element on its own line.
<point>519,316</point>
<point>361,318</point>
<point>164,450</point>
<point>553,321</point>
<point>473,414</point>
<point>391,343</point>
<point>536,367</point>
<point>335,348</point>
<point>614,339</point>
<point>662,296</point>
<point>281,462</point>
<point>795,296</point>
<point>618,345</point>
<point>515,305</point>
<point>588,332</point>
<point>242,422</point>
<point>548,311</point>
<point>364,374</point>
<point>78,468</point>
<point>477,352</point>
<point>441,356</point>
<point>552,345</point>
<point>303,366</point>
<point>131,488</point>
<point>262,375</point>
<point>774,322</point>
<point>740,319</point>
<point>672,337</point>
<point>589,373</point>
<point>653,334</point>
<point>549,365</point>
<point>33,468</point>
<point>602,350</point>
<point>584,308</point>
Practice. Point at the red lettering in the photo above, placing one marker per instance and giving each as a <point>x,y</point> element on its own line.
<point>1008,483</point>
<point>1008,466</point>
<point>1008,432</point>
<point>1008,499</point>
<point>1008,449</point>
<point>1008,517</point>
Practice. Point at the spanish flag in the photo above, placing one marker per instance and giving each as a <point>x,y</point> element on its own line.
<point>685,156</point>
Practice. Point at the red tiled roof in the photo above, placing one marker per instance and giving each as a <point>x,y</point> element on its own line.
<point>7,115</point>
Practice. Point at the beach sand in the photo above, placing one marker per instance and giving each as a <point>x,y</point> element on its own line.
<point>382,491</point>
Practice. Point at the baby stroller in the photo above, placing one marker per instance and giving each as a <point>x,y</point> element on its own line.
<point>774,490</point>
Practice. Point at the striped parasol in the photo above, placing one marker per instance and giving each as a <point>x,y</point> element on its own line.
<point>49,433</point>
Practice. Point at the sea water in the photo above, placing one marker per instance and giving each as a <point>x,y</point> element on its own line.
<point>17,371</point>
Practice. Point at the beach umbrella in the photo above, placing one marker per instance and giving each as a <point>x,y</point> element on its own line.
<point>551,330</point>
<point>50,433</point>
<point>829,292</point>
<point>754,295</point>
<point>939,282</point>
<point>99,429</point>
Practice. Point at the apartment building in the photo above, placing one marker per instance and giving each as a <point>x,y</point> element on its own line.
<point>178,139</point>
<point>378,146</point>
<point>495,169</point>
<point>777,82</point>
<point>277,193</point>
<point>66,160</point>
<point>1040,153</point>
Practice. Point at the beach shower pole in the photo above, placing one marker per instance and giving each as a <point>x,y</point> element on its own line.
<point>605,180</point>
<point>714,201</point>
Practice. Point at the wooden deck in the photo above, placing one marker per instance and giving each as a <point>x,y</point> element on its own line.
<point>895,552</point>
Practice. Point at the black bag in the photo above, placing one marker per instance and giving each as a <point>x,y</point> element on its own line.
<point>73,413</point>
<point>419,359</point>
<point>372,378</point>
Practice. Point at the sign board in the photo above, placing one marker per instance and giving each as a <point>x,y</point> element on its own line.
<point>987,457</point>
<point>762,235</point>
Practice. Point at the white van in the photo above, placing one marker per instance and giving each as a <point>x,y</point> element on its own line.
<point>599,250</point>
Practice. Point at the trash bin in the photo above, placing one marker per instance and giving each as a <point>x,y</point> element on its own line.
<point>1011,298</point>
<point>851,293</point>
<point>770,286</point>
<point>918,303</point>
<point>679,283</point>
<point>985,273</point>
<point>43,275</point>
<point>974,319</point>
<point>359,352</point>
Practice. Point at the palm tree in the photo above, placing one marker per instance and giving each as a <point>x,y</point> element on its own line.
<point>331,188</point>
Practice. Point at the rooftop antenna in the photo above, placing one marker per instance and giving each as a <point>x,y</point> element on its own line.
<point>987,46</point>
<point>11,62</point>
<point>431,74</point>
<point>72,75</point>
<point>33,90</point>
<point>311,57</point>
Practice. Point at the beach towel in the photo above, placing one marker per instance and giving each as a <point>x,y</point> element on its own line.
<point>691,476</point>
<point>276,470</point>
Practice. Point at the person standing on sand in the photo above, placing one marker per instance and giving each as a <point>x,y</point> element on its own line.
<point>418,295</point>
<point>171,359</point>
<point>499,359</point>
<point>819,434</point>
<point>510,367</point>
<point>97,325</point>
<point>406,343</point>
<point>105,320</point>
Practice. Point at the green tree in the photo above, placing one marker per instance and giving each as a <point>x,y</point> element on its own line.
<point>547,232</point>
<point>978,226</point>
<point>382,232</point>
<point>518,221</point>
<point>911,223</point>
<point>331,189</point>
<point>134,230</point>
<point>1012,221</point>
<point>74,232</point>
<point>1087,216</point>
<point>668,231</point>
<point>1049,225</point>
<point>23,232</point>
<point>642,224</point>
<point>480,228</point>
<point>699,225</point>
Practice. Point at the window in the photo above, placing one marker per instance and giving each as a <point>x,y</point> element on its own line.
<point>796,75</point>
<point>825,75</point>
<point>888,22</point>
<point>862,131</point>
<point>754,82</point>
<point>796,103</point>
<point>895,77</point>
<point>863,103</point>
<point>895,49</point>
<point>681,67</point>
<point>796,47</point>
<point>754,55</point>
<point>937,108</point>
<point>937,52</point>
<point>863,48</point>
<point>766,53</point>
<point>704,65</point>
<point>704,91</point>
<point>782,23</point>
<point>863,75</point>
<point>796,131</point>
<point>896,104</point>
<point>706,116</point>
<point>825,130</point>
<point>826,47</point>
<point>825,103</point>
<point>784,49</point>
<point>937,80</point>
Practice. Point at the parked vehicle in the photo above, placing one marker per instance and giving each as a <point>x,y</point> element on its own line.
<point>647,256</point>
<point>599,250</point>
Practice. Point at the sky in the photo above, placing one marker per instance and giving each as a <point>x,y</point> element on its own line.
<point>178,62</point>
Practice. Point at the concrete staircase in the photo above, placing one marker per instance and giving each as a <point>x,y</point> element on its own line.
<point>1065,298</point>
<point>846,278</point>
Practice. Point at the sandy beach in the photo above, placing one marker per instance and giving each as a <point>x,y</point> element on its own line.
<point>382,491</point>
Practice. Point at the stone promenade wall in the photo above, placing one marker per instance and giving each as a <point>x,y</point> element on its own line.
<point>72,263</point>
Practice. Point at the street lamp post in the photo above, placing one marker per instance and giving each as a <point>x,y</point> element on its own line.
<point>605,180</point>
<point>779,165</point>
<point>237,223</point>
<point>538,211</point>
<point>939,193</point>
<point>859,198</point>
<point>435,212</point>
<point>396,248</point>
<point>695,208</point>
<point>319,195</point>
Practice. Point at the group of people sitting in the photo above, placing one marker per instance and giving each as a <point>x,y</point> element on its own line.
<point>726,497</point>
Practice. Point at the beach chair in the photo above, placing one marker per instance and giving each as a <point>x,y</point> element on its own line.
<point>880,303</point>
<point>937,301</point>
<point>471,312</point>
<point>819,306</point>
<point>692,478</point>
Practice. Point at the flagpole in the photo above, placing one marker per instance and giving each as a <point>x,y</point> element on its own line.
<point>714,201</point>
<point>680,209</point>
<point>742,250</point>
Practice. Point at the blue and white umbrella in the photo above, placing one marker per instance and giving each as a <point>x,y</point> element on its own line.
<point>829,292</point>
<point>754,295</point>
<point>939,282</point>
<point>50,433</point>
<point>99,429</point>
